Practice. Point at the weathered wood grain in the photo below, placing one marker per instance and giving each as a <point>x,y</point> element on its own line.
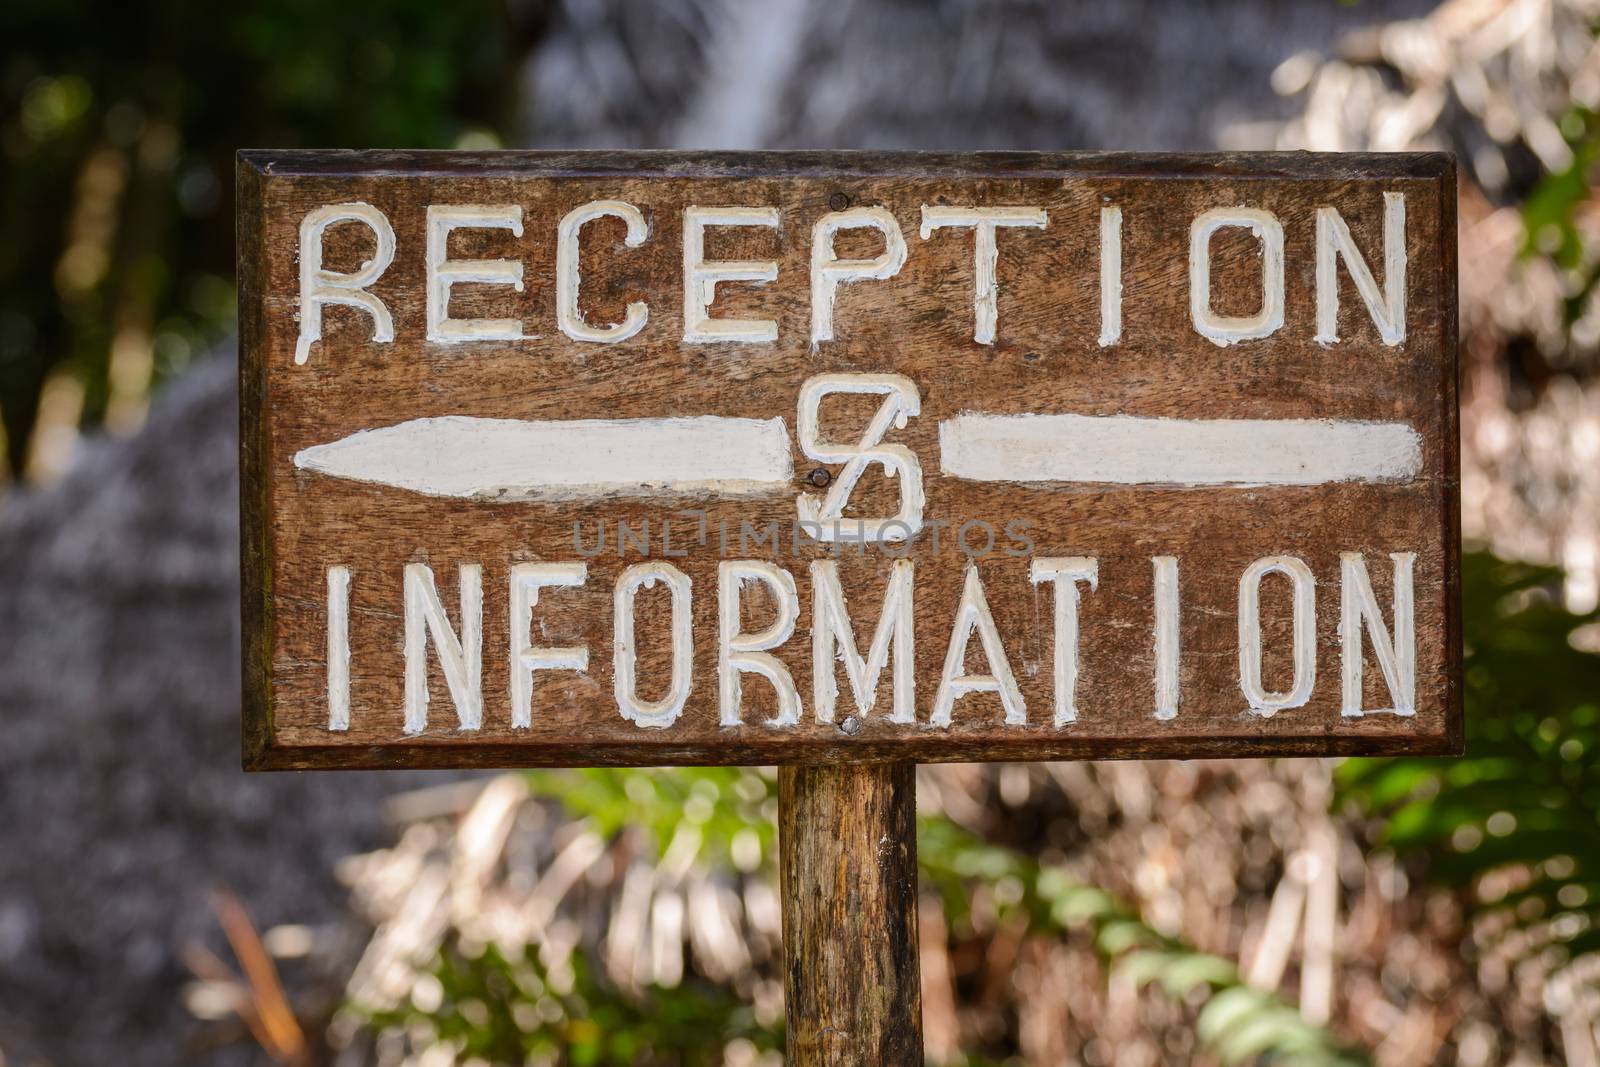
<point>848,867</point>
<point>1045,359</point>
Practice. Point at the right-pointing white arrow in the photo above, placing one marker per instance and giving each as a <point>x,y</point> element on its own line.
<point>1125,450</point>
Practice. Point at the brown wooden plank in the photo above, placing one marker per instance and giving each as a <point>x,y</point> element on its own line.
<point>848,867</point>
<point>255,550</point>
<point>1045,359</point>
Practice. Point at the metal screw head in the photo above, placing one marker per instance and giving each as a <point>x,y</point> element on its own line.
<point>851,726</point>
<point>819,477</point>
<point>838,202</point>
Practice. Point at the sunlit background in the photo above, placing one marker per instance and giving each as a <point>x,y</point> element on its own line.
<point>158,907</point>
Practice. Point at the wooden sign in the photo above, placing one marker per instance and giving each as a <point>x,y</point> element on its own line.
<point>652,458</point>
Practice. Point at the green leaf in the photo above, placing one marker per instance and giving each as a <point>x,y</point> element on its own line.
<point>1187,972</point>
<point>1528,788</point>
<point>1227,1010</point>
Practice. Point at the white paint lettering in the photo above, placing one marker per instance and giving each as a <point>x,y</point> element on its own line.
<point>338,648</point>
<point>1396,654</point>
<point>739,653</point>
<point>1166,606</point>
<point>461,658</point>
<point>700,278</point>
<point>1110,275</point>
<point>1305,634</point>
<point>984,221</point>
<point>1225,330</point>
<point>1388,308</point>
<point>829,272</point>
<point>833,638</point>
<point>661,713</point>
<point>1065,573</point>
<point>569,316</point>
<point>444,272</point>
<point>320,287</point>
<point>972,614</point>
<point>526,581</point>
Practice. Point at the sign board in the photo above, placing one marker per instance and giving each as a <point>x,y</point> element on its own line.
<point>643,458</point>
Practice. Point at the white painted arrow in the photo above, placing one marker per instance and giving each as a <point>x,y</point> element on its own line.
<point>1125,450</point>
<point>515,460</point>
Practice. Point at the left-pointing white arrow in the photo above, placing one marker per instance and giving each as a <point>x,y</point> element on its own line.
<point>510,459</point>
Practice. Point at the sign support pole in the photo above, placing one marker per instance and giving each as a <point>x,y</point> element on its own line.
<point>848,868</point>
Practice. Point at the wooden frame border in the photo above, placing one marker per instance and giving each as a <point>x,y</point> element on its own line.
<point>256,167</point>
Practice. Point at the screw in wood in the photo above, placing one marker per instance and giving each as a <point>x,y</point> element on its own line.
<point>819,477</point>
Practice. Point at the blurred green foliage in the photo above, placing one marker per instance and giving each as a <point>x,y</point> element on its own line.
<point>1516,822</point>
<point>731,811</point>
<point>118,125</point>
<point>1550,214</point>
<point>1235,1025</point>
<point>514,1011</point>
<point>511,1011</point>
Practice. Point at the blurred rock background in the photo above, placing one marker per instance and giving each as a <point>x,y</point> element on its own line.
<point>1397,912</point>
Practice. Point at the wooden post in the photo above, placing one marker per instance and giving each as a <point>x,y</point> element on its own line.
<point>848,866</point>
